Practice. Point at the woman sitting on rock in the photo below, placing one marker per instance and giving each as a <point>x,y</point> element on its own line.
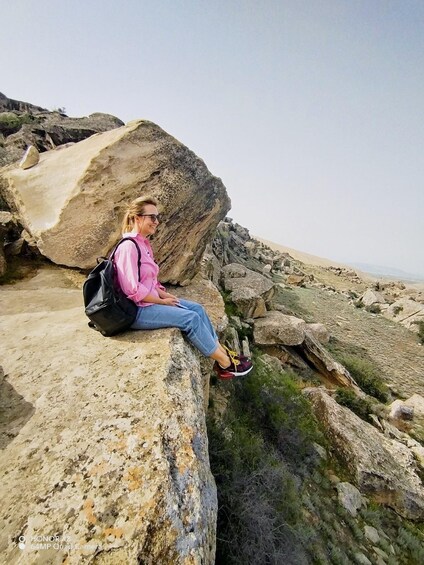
<point>158,308</point>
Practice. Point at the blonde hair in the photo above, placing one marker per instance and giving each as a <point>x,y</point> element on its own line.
<point>136,208</point>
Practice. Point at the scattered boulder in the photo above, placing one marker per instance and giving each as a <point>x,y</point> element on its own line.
<point>407,312</point>
<point>296,280</point>
<point>416,402</point>
<point>74,200</point>
<point>319,332</point>
<point>286,336</point>
<point>349,497</point>
<point>31,157</point>
<point>381,467</point>
<point>362,559</point>
<point>249,290</point>
<point>371,297</point>
<point>418,452</point>
<point>276,328</point>
<point>372,534</point>
<point>325,364</point>
<point>267,269</point>
<point>400,411</point>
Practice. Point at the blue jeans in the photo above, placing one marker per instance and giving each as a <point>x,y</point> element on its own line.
<point>190,318</point>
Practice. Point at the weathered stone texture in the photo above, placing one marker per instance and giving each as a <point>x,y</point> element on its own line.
<point>30,158</point>
<point>381,467</point>
<point>249,290</point>
<point>104,440</point>
<point>277,328</point>
<point>73,201</point>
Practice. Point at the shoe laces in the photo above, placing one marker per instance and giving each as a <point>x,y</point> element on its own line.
<point>233,356</point>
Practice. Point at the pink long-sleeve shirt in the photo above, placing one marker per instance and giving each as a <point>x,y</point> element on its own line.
<point>126,261</point>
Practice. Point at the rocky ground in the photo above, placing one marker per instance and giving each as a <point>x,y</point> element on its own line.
<point>395,349</point>
<point>100,438</point>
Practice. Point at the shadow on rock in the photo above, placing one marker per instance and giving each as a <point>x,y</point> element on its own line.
<point>14,412</point>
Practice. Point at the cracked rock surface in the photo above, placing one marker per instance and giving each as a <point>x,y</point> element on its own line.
<point>103,439</point>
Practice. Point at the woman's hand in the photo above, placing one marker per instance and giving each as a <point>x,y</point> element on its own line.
<point>171,300</point>
<point>164,294</point>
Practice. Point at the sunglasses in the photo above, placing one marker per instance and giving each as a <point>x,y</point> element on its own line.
<point>153,217</point>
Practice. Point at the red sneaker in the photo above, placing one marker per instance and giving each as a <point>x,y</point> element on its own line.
<point>237,368</point>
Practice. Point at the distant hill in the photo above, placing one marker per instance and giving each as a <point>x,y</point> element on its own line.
<point>306,258</point>
<point>388,272</point>
<point>364,270</point>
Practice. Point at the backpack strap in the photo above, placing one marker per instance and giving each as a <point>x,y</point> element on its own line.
<point>112,255</point>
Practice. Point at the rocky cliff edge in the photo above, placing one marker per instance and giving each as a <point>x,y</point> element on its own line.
<point>105,456</point>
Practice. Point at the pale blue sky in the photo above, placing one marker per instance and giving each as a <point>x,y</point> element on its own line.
<point>311,112</point>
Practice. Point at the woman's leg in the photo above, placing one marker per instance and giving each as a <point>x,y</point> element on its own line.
<point>190,322</point>
<point>222,354</point>
<point>200,310</point>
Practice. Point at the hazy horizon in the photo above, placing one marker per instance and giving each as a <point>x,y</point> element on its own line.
<point>310,112</point>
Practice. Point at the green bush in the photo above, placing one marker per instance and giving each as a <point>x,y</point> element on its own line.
<point>258,499</point>
<point>275,401</point>
<point>347,397</point>
<point>11,123</point>
<point>397,310</point>
<point>411,541</point>
<point>257,452</point>
<point>365,374</point>
<point>230,308</point>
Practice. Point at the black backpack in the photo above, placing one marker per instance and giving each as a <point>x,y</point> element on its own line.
<point>109,310</point>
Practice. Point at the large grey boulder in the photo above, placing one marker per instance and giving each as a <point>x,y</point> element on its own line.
<point>293,336</point>
<point>276,328</point>
<point>248,289</point>
<point>104,441</point>
<point>371,297</point>
<point>319,332</point>
<point>380,467</point>
<point>73,202</point>
<point>407,312</point>
<point>333,371</point>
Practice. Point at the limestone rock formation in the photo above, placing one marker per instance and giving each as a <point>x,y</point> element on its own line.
<point>103,440</point>
<point>380,467</point>
<point>319,332</point>
<point>349,497</point>
<point>290,337</point>
<point>31,157</point>
<point>276,328</point>
<point>326,365</point>
<point>23,124</point>
<point>249,290</point>
<point>72,203</point>
<point>407,312</point>
<point>371,297</point>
